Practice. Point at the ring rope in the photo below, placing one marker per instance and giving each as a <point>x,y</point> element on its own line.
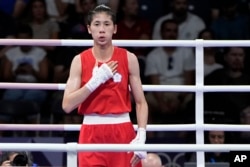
<point>172,127</point>
<point>55,147</point>
<point>137,43</point>
<point>170,88</point>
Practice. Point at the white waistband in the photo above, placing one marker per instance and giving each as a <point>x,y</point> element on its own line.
<point>106,119</point>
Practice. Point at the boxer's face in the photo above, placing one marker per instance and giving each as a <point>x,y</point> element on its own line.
<point>102,28</point>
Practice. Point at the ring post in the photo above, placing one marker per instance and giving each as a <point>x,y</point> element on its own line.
<point>72,154</point>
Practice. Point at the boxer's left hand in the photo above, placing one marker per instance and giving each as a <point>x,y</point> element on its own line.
<point>139,139</point>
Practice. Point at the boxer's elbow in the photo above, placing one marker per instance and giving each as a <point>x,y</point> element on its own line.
<point>67,108</point>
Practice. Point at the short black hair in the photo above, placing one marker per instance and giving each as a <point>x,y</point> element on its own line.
<point>226,50</point>
<point>100,9</point>
<point>6,154</point>
<point>206,30</point>
<point>167,21</point>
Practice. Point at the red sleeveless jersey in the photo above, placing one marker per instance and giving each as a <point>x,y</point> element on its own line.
<point>112,97</point>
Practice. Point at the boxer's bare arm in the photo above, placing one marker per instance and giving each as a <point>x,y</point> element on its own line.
<point>141,107</point>
<point>137,91</point>
<point>74,94</point>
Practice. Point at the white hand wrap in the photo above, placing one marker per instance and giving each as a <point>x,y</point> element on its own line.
<point>100,75</point>
<point>140,139</point>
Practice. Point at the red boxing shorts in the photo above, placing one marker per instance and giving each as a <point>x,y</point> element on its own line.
<point>108,133</point>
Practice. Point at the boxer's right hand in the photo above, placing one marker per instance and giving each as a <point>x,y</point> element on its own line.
<point>101,75</point>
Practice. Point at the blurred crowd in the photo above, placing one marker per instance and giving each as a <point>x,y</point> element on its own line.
<point>137,20</point>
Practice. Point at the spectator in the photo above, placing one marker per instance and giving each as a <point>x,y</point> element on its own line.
<point>7,30</point>
<point>37,17</point>
<point>189,24</point>
<point>169,66</point>
<point>25,64</point>
<point>228,23</point>
<point>228,104</point>
<point>215,137</point>
<point>79,8</point>
<point>210,63</point>
<point>208,10</point>
<point>132,26</point>
<point>153,10</point>
<point>43,28</point>
<point>245,120</point>
<point>78,21</point>
<point>56,9</point>
<point>14,8</point>
<point>114,5</point>
<point>59,11</point>
<point>16,158</point>
<point>152,160</point>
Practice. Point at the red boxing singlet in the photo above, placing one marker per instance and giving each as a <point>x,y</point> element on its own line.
<point>112,97</point>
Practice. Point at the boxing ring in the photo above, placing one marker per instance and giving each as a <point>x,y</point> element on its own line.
<point>199,89</point>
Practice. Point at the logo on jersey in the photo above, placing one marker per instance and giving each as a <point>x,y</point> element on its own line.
<point>117,77</point>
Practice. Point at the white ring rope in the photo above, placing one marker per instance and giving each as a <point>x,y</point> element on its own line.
<point>137,43</point>
<point>172,127</point>
<point>170,88</point>
<point>47,86</point>
<point>65,127</point>
<point>124,147</point>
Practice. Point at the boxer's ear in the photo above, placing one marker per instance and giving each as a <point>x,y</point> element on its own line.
<point>115,29</point>
<point>88,27</point>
